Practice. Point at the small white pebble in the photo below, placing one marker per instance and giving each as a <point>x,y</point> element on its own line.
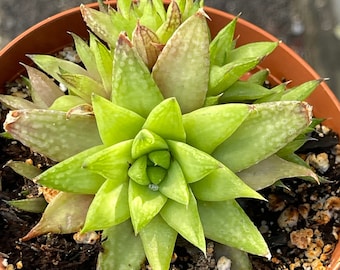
<point>223,263</point>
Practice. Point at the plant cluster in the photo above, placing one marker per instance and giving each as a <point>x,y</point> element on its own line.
<point>159,132</point>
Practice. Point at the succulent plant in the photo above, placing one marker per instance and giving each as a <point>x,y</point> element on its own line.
<point>159,133</point>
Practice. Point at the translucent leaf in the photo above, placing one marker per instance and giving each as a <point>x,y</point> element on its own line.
<point>221,185</point>
<point>119,240</point>
<point>33,205</point>
<point>205,132</point>
<point>69,175</point>
<point>43,89</point>
<point>174,185</point>
<point>133,87</point>
<point>109,206</point>
<point>226,223</point>
<point>186,52</point>
<point>159,241</point>
<point>272,169</point>
<point>185,220</point>
<point>16,103</point>
<point>53,133</point>
<point>65,214</point>
<point>146,142</point>
<point>24,169</point>
<point>112,162</point>
<point>166,120</point>
<point>115,123</point>
<point>268,128</point>
<point>195,164</point>
<point>144,205</point>
<point>137,171</point>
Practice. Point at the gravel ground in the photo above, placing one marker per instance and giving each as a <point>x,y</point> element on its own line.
<point>311,27</point>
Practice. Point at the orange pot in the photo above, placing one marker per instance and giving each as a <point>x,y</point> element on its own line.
<point>50,36</point>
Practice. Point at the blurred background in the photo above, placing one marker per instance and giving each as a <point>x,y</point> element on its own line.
<point>310,27</point>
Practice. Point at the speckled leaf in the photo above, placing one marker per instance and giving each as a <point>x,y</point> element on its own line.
<point>268,128</point>
<point>185,220</point>
<point>109,206</point>
<point>172,22</point>
<point>115,123</point>
<point>65,214</point>
<point>255,49</point>
<point>159,241</point>
<point>112,162</point>
<point>37,128</point>
<point>24,169</point>
<point>52,65</point>
<point>133,87</point>
<point>222,44</point>
<point>145,142</point>
<point>166,121</point>
<point>205,133</point>
<point>174,185</point>
<point>32,205</point>
<point>69,175</point>
<point>17,103</point>
<point>195,164</point>
<point>223,77</point>
<point>221,185</point>
<point>119,240</point>
<point>272,169</point>
<point>186,52</point>
<point>144,205</point>
<point>43,90</point>
<point>226,223</point>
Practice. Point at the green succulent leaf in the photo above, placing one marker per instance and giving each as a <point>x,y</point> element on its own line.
<point>144,205</point>
<point>115,123</point>
<point>302,91</point>
<point>109,206</point>
<point>160,158</point>
<point>221,185</point>
<point>133,87</point>
<point>272,169</point>
<point>195,164</point>
<point>222,77</point>
<point>166,120</point>
<point>254,49</point>
<point>137,171</point>
<point>226,223</point>
<point>17,103</point>
<point>149,16</point>
<point>259,77</point>
<point>276,94</point>
<point>32,205</point>
<point>69,175</point>
<point>174,185</point>
<point>37,128</point>
<point>186,52</point>
<point>222,44</point>
<point>159,241</point>
<point>205,132</point>
<point>65,214</point>
<point>112,162</point>
<point>146,142</point>
<point>112,248</point>
<point>43,90</point>
<point>240,259</point>
<point>185,219</point>
<point>24,169</point>
<point>268,128</point>
<point>156,174</point>
<point>66,103</point>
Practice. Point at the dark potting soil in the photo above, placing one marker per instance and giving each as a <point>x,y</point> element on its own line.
<point>300,221</point>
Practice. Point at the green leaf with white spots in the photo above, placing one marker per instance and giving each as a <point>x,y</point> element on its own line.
<point>115,123</point>
<point>272,169</point>
<point>186,52</point>
<point>166,120</point>
<point>226,223</point>
<point>112,162</point>
<point>222,184</point>
<point>37,129</point>
<point>146,142</point>
<point>133,87</point>
<point>174,185</point>
<point>195,164</point>
<point>159,241</point>
<point>268,128</point>
<point>144,205</point>
<point>69,175</point>
<point>119,238</point>
<point>205,133</point>
<point>109,206</point>
<point>185,220</point>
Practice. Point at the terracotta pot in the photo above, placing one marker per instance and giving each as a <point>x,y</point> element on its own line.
<point>50,36</point>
